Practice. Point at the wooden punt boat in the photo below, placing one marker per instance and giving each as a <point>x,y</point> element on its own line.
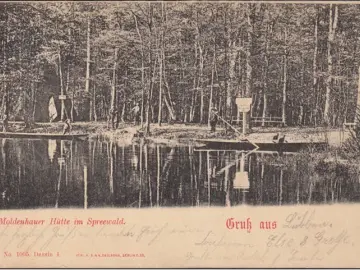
<point>43,136</point>
<point>264,146</point>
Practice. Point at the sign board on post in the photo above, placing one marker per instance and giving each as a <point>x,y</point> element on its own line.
<point>62,97</point>
<point>243,104</point>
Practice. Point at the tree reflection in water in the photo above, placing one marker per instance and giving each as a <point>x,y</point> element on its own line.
<point>65,174</point>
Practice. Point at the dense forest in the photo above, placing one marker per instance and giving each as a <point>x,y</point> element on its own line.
<point>299,62</point>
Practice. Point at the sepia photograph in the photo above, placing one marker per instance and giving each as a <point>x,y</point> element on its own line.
<point>182,106</point>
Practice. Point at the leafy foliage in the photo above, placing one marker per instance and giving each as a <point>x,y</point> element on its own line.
<point>192,51</point>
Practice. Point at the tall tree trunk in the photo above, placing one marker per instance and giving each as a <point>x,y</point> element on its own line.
<point>357,111</point>
<point>142,71</point>
<point>33,99</point>
<point>166,94</point>
<point>113,91</point>
<point>183,112</point>
<point>192,106</point>
<point>201,68</point>
<point>161,60</point>
<point>315,79</point>
<point>166,91</point>
<point>126,86</point>
<point>62,115</point>
<point>240,91</point>
<point>73,86</point>
<point>24,107</point>
<point>283,105</point>
<point>87,78</point>
<point>200,83</point>
<point>250,30</point>
<point>227,47</point>
<point>160,91</point>
<point>194,91</point>
<point>94,102</point>
<point>6,99</point>
<point>211,86</point>
<point>303,100</point>
<point>333,19</point>
<point>265,76</point>
<point>248,51</point>
<point>152,71</point>
<point>231,82</point>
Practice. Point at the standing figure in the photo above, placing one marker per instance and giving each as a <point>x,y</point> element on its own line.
<point>213,119</point>
<point>276,138</point>
<point>111,117</point>
<point>67,127</point>
<point>137,113</point>
<point>5,122</point>
<point>5,112</point>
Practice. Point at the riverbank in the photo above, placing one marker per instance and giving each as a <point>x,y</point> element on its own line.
<point>187,133</point>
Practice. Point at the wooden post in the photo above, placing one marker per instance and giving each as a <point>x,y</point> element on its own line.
<point>242,162</point>
<point>244,124</point>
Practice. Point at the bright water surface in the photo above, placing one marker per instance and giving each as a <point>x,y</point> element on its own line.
<point>88,174</point>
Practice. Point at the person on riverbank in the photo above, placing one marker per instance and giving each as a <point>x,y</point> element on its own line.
<point>111,118</point>
<point>136,111</point>
<point>67,127</point>
<point>213,119</point>
<point>5,123</point>
<point>5,113</point>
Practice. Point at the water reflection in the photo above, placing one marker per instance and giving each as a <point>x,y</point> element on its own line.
<point>63,174</point>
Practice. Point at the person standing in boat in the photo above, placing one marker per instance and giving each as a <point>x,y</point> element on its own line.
<point>136,111</point>
<point>5,113</point>
<point>213,119</point>
<point>67,127</point>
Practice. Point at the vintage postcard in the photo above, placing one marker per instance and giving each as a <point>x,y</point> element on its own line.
<point>179,134</point>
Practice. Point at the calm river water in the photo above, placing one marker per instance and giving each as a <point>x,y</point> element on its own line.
<point>77,174</point>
